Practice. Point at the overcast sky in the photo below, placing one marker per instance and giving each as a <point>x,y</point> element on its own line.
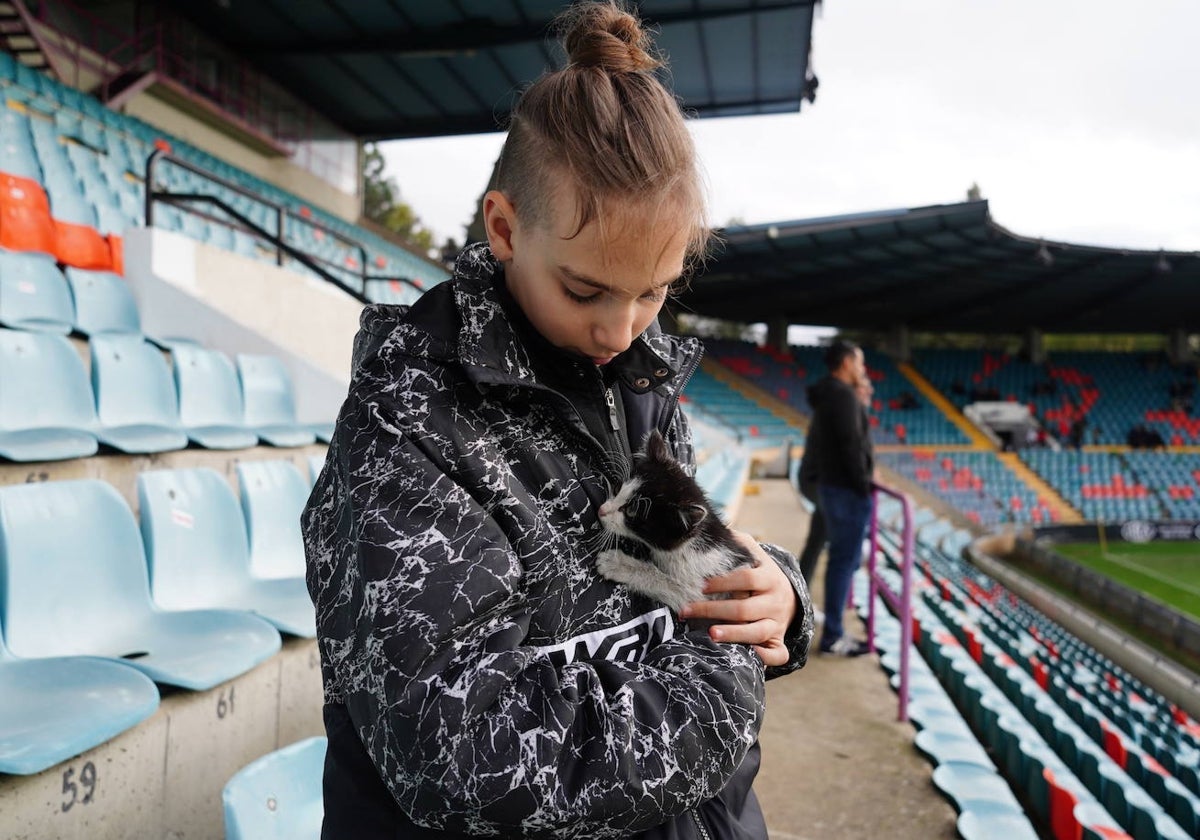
<point>1079,120</point>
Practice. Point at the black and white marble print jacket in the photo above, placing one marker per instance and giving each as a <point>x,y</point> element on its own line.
<point>480,677</point>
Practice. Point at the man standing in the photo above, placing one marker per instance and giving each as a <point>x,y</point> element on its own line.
<point>845,464</point>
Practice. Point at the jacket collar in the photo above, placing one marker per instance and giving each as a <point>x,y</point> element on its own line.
<point>491,350</point>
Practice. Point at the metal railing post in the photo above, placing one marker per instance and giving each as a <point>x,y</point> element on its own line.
<point>902,602</point>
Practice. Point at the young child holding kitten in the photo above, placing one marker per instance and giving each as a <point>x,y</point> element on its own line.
<point>481,677</point>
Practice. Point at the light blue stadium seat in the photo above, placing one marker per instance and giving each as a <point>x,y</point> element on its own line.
<point>53,709</point>
<point>199,556</point>
<point>135,396</point>
<point>103,303</point>
<point>46,408</point>
<point>273,496</point>
<point>279,796</point>
<point>316,463</point>
<point>33,293</point>
<point>269,408</point>
<point>76,584</point>
<point>323,431</point>
<point>210,398</point>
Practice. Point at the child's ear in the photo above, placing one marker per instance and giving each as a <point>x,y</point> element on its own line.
<point>499,220</point>
<point>693,515</point>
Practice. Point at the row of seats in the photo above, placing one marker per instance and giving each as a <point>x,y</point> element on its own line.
<point>787,376</point>
<point>91,162</point>
<point>1032,692</point>
<point>96,604</point>
<point>135,402</point>
<point>754,425</point>
<point>977,483</point>
<point>1112,392</point>
<point>1113,486</point>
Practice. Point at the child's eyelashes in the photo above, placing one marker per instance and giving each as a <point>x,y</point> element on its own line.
<point>655,296</point>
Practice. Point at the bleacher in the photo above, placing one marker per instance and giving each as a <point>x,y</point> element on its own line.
<point>1112,392</point>
<point>787,376</point>
<point>977,483</point>
<point>749,423</point>
<point>1086,749</point>
<point>1113,486</point>
<point>74,181</point>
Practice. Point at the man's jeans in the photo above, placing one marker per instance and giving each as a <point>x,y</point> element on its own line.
<point>816,533</point>
<point>846,516</point>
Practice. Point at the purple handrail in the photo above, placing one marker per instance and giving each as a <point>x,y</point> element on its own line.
<point>901,603</point>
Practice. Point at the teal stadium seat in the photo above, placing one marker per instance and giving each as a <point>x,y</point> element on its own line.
<point>269,409</point>
<point>46,410</point>
<point>53,709</point>
<point>199,556</point>
<point>273,496</point>
<point>34,294</point>
<point>135,396</point>
<point>210,399</point>
<point>76,584</point>
<point>103,303</point>
<point>278,797</point>
<point>316,463</point>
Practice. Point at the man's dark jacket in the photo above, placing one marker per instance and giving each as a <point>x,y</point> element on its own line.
<point>480,677</point>
<point>843,451</point>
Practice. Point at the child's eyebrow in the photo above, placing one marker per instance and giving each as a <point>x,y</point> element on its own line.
<point>596,284</point>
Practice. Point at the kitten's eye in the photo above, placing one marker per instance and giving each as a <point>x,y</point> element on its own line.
<point>637,508</point>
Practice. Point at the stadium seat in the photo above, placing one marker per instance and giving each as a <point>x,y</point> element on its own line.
<point>76,584</point>
<point>53,709</point>
<point>268,406</point>
<point>46,409</point>
<point>316,463</point>
<point>989,825</point>
<point>279,796</point>
<point>199,556</point>
<point>34,294</point>
<point>103,303</point>
<point>135,396</point>
<point>273,496</point>
<point>210,399</point>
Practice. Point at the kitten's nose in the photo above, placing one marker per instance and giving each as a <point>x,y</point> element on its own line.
<point>606,509</point>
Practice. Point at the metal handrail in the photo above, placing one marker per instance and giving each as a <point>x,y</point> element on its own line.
<point>902,602</point>
<point>282,214</point>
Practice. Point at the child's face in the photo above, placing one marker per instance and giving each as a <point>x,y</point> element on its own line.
<point>594,293</point>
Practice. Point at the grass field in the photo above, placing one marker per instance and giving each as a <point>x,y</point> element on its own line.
<point>1168,571</point>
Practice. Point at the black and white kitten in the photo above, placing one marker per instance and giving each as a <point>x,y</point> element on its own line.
<point>668,537</point>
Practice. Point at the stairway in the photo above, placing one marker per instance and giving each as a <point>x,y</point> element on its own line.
<point>926,388</point>
<point>18,37</point>
<point>1037,484</point>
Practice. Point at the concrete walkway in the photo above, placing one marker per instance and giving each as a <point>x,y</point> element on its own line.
<point>836,763</point>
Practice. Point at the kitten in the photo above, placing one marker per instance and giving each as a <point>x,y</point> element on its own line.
<point>669,538</point>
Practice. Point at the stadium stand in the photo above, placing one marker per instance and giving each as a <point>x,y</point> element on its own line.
<point>751,424</point>
<point>1111,392</point>
<point>1115,486</point>
<point>900,414</point>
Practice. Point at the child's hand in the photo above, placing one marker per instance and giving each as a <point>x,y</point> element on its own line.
<point>761,606</point>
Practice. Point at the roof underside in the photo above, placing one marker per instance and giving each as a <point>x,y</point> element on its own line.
<point>946,268</point>
<point>387,69</point>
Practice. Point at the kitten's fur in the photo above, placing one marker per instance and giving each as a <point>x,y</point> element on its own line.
<point>664,514</point>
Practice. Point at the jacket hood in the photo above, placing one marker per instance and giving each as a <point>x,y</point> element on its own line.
<point>820,390</point>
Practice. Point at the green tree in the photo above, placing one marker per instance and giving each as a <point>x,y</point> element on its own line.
<point>383,205</point>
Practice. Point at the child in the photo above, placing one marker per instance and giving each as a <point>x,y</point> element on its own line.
<point>481,679</point>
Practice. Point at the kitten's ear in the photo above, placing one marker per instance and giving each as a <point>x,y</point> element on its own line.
<point>692,515</point>
<point>656,447</point>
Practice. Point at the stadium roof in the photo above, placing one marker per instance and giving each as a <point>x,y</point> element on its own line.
<point>385,69</point>
<point>945,268</point>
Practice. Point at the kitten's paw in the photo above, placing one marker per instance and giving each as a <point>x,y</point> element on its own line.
<point>616,566</point>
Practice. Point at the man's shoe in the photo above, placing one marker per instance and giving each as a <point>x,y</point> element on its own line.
<point>846,647</point>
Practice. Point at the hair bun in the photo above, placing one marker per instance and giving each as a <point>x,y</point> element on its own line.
<point>604,35</point>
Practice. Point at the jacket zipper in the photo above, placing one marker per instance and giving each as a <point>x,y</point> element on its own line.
<point>704,835</point>
<point>668,411</point>
<point>611,401</point>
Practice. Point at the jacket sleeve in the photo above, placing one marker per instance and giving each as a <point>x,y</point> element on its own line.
<point>799,634</point>
<point>422,618</point>
<point>843,434</point>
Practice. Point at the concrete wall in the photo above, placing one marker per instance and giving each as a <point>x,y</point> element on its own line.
<point>185,289</point>
<point>276,170</point>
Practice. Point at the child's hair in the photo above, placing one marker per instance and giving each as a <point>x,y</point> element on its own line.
<point>605,122</point>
